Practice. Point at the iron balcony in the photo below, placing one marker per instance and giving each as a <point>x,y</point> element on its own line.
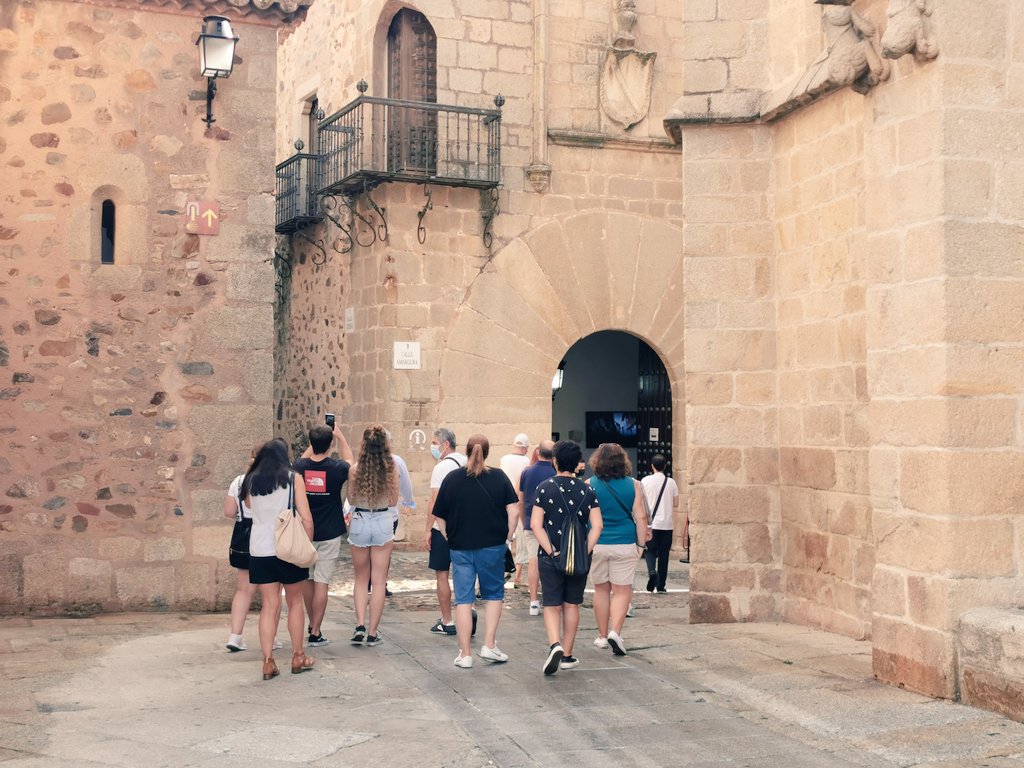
<point>374,140</point>
<point>295,193</point>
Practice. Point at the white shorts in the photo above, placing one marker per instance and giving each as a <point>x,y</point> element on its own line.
<point>526,546</point>
<point>327,558</point>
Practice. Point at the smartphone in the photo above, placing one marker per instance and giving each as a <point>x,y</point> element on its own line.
<point>329,418</point>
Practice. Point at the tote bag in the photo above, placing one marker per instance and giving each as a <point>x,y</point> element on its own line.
<point>291,543</point>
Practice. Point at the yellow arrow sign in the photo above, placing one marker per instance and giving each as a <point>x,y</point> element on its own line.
<point>202,217</point>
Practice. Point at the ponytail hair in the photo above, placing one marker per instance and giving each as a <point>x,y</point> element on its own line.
<point>477,447</point>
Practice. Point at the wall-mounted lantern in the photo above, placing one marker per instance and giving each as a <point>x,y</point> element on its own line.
<point>216,56</point>
<point>558,379</point>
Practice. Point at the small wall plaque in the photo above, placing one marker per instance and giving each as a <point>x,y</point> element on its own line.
<point>407,355</point>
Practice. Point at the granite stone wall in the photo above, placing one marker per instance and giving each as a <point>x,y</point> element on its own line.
<point>490,339</point>
<point>133,391</point>
<point>819,204</point>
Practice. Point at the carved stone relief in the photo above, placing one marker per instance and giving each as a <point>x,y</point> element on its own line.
<point>852,56</point>
<point>627,73</point>
<point>910,30</point>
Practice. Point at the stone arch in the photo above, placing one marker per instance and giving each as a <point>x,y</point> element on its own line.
<point>379,80</point>
<point>545,290</point>
<point>130,196</point>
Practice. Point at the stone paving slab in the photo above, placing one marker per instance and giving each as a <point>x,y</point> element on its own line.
<point>160,690</point>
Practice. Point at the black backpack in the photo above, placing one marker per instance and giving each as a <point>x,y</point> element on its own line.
<point>573,558</point>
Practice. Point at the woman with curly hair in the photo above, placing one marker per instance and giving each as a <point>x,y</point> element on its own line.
<point>622,542</point>
<point>372,490</point>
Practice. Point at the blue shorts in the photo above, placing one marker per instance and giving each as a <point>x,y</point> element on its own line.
<point>487,564</point>
<point>370,529</point>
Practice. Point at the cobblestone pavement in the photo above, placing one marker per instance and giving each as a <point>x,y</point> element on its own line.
<point>160,690</point>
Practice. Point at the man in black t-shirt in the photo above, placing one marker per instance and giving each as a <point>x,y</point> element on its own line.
<point>324,478</point>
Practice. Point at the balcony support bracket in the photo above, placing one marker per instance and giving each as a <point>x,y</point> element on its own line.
<point>488,210</point>
<point>317,258</point>
<point>344,242</point>
<point>421,231</point>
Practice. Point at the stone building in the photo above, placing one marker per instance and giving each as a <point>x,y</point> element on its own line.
<point>778,240</point>
<point>136,355</point>
<point>809,214</point>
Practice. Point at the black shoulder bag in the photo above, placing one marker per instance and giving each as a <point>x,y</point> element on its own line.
<point>238,549</point>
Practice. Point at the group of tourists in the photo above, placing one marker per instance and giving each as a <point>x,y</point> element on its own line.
<point>566,531</point>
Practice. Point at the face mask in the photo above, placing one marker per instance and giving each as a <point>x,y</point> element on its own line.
<point>435,451</point>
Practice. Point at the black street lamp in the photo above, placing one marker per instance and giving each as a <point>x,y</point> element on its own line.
<point>216,56</point>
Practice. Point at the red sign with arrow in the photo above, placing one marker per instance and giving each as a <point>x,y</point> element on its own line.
<point>202,218</point>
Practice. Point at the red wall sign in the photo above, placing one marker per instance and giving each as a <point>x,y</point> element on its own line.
<point>202,218</point>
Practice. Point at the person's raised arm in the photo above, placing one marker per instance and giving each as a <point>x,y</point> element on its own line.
<point>343,447</point>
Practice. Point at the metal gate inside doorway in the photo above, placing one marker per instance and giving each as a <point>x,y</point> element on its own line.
<point>654,412</point>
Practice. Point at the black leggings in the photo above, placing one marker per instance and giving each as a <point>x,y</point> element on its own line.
<point>658,549</point>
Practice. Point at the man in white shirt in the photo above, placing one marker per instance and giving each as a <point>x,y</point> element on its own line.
<point>513,464</point>
<point>662,496</point>
<point>442,448</point>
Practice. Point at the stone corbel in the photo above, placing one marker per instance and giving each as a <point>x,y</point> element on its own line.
<point>539,176</point>
<point>910,30</point>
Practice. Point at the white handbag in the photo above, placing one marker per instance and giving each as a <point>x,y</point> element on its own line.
<point>291,543</point>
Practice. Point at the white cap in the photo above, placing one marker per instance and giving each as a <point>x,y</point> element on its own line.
<point>521,441</point>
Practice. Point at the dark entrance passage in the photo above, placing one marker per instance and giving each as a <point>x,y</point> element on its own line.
<point>611,387</point>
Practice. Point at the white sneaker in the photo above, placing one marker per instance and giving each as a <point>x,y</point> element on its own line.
<point>278,645</point>
<point>494,654</point>
<point>618,647</point>
<point>601,642</point>
<point>535,608</point>
<point>629,611</point>
<point>236,643</point>
<point>466,662</point>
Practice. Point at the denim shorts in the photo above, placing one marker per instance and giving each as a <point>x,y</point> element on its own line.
<point>487,564</point>
<point>370,529</point>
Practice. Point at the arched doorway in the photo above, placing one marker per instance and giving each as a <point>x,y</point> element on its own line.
<point>612,387</point>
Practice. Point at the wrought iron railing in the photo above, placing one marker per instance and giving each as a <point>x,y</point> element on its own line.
<point>295,192</point>
<point>373,140</point>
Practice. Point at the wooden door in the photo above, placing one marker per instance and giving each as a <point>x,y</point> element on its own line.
<point>412,76</point>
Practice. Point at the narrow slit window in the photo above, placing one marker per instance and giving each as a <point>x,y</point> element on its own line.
<point>107,232</point>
